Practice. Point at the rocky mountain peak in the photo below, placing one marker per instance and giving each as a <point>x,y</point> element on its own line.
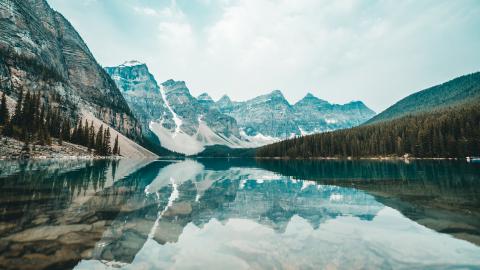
<point>171,84</point>
<point>224,100</point>
<point>310,99</point>
<point>356,104</point>
<point>205,97</point>
<point>309,95</point>
<point>132,63</point>
<point>133,77</point>
<point>276,94</point>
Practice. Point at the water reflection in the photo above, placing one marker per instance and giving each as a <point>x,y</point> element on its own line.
<point>442,195</point>
<point>237,213</point>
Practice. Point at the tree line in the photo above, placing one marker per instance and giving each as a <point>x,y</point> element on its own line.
<point>452,132</point>
<point>34,123</point>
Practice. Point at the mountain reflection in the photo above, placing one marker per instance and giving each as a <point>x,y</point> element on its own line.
<point>56,214</point>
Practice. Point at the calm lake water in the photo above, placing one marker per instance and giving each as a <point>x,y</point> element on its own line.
<point>239,214</point>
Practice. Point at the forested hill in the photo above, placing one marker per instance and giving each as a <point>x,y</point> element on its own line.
<point>450,132</point>
<point>457,91</point>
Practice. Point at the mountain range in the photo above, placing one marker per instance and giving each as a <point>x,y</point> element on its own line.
<point>187,124</point>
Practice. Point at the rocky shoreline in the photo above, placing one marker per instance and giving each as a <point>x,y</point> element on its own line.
<point>12,149</point>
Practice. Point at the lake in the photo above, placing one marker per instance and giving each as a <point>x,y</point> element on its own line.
<point>239,214</point>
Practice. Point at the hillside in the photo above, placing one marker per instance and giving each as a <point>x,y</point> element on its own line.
<point>457,91</point>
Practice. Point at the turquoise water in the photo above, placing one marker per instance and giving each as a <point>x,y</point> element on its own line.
<point>239,214</point>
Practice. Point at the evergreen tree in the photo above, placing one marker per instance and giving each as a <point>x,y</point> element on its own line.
<point>66,130</point>
<point>25,115</point>
<point>106,143</point>
<point>91,139</point>
<point>80,135</point>
<point>4,115</point>
<point>18,109</point>
<point>99,142</point>
<point>86,135</point>
<point>115,147</point>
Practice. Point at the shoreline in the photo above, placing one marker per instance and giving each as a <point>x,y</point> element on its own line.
<point>360,158</point>
<point>13,149</point>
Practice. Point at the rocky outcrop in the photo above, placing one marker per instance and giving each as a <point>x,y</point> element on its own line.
<point>41,51</point>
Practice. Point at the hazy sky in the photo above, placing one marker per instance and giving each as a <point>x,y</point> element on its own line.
<point>374,51</point>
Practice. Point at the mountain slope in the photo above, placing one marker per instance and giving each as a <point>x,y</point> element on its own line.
<point>41,52</point>
<point>457,91</point>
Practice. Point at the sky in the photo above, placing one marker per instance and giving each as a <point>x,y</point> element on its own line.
<point>343,50</point>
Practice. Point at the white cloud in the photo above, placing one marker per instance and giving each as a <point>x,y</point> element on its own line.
<point>375,51</point>
<point>146,11</point>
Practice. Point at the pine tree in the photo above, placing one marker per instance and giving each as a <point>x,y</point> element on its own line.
<point>60,138</point>
<point>18,109</point>
<point>25,113</point>
<point>86,135</point>
<point>80,135</point>
<point>106,142</point>
<point>4,115</point>
<point>66,130</point>
<point>37,113</point>
<point>115,147</point>
<point>99,141</point>
<point>91,139</point>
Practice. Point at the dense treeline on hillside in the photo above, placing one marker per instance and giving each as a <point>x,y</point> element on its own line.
<point>452,132</point>
<point>34,123</point>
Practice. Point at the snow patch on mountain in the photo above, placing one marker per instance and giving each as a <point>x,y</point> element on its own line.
<point>176,119</point>
<point>180,142</point>
<point>258,140</point>
<point>186,144</point>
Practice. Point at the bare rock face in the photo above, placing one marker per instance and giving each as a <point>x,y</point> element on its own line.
<point>142,93</point>
<point>41,51</point>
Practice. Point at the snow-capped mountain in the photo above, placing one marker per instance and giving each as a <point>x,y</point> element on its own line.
<point>182,123</point>
<point>272,115</point>
<point>187,124</point>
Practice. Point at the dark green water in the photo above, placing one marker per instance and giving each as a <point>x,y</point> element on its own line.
<point>239,214</point>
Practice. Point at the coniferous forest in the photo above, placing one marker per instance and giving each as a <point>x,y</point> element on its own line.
<point>448,133</point>
<point>34,123</point>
